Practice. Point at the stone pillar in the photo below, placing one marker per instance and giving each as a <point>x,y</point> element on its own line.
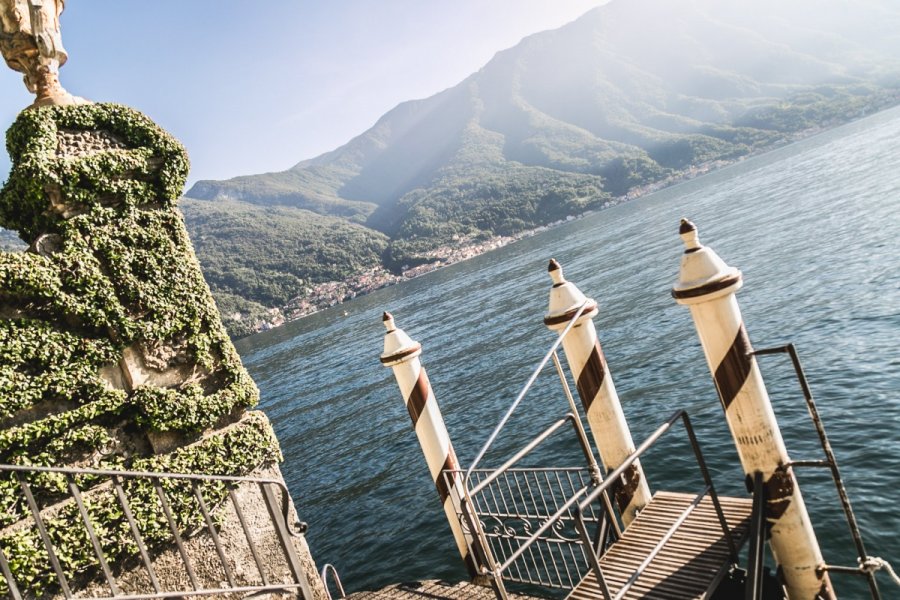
<point>120,356</point>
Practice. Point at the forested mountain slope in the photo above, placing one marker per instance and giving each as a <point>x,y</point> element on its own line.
<point>628,95</point>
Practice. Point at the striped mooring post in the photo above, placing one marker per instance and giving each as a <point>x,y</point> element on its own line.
<point>401,353</point>
<point>707,286</point>
<point>595,387</point>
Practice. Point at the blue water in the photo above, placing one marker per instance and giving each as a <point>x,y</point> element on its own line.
<point>815,229</point>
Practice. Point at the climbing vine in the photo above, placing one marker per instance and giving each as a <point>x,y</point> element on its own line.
<point>121,273</point>
<point>110,276</point>
<point>237,450</point>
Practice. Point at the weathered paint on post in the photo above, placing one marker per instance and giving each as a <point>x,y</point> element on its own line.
<point>401,353</point>
<point>707,286</point>
<point>595,387</point>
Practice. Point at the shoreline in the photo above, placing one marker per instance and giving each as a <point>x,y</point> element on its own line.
<point>334,293</point>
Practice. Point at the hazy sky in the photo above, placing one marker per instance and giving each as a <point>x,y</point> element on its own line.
<point>250,87</point>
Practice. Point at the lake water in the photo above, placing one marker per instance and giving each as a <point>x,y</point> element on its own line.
<point>815,229</point>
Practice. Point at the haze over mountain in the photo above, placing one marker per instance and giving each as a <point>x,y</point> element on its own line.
<point>628,95</point>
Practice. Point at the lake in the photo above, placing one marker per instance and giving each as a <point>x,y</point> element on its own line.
<point>815,229</point>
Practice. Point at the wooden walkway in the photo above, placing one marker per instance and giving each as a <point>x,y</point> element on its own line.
<point>689,565</point>
<point>432,590</point>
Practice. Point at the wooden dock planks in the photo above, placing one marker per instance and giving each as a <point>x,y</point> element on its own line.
<point>433,590</point>
<point>690,563</point>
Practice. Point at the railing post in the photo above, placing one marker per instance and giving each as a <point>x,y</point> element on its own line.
<point>707,286</point>
<point>598,394</point>
<point>282,530</point>
<point>401,353</point>
<point>753,590</point>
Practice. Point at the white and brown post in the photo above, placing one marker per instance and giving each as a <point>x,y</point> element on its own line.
<point>707,286</point>
<point>598,394</point>
<point>401,353</point>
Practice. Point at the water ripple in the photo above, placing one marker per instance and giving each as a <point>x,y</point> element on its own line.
<point>814,227</point>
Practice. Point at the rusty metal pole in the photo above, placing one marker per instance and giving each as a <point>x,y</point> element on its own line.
<point>598,394</point>
<point>402,354</point>
<point>707,286</point>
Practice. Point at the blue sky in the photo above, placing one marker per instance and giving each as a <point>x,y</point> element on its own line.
<point>250,87</point>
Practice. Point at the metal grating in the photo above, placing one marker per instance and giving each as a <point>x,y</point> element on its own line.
<point>689,564</point>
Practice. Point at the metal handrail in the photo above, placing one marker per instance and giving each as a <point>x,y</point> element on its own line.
<point>754,582</point>
<point>469,511</point>
<point>575,503</point>
<point>521,453</point>
<point>330,568</point>
<point>278,509</point>
<point>141,474</point>
<point>550,353</point>
<point>518,503</point>
<point>618,471</point>
<point>550,520</point>
<point>490,567</point>
<point>831,463</point>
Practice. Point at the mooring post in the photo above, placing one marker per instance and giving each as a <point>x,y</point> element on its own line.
<point>401,353</point>
<point>707,286</point>
<point>595,387</point>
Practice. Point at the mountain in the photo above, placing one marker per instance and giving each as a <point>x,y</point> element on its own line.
<point>632,93</point>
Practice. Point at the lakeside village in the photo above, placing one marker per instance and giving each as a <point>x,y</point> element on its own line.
<point>332,293</point>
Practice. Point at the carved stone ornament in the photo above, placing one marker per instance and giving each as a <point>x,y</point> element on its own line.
<point>31,43</point>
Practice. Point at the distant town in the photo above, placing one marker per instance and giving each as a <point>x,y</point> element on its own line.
<point>333,293</point>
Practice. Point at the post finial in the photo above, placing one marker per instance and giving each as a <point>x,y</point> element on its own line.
<point>555,271</point>
<point>703,275</point>
<point>688,232</point>
<point>565,300</point>
<point>398,347</point>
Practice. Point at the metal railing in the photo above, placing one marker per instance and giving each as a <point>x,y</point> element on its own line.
<point>549,527</point>
<point>521,520</point>
<point>514,506</point>
<point>753,589</point>
<point>551,353</point>
<point>525,519</point>
<point>582,522</point>
<point>180,508</point>
<point>330,569</point>
<point>830,462</point>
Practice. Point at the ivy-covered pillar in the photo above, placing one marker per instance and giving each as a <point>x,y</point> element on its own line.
<point>112,352</point>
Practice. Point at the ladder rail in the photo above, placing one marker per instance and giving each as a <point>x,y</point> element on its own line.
<point>830,462</point>
<point>756,553</point>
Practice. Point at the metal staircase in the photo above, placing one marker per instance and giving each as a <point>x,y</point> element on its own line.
<point>557,528</point>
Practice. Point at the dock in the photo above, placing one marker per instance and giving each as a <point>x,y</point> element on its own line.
<point>433,589</point>
<point>690,564</point>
